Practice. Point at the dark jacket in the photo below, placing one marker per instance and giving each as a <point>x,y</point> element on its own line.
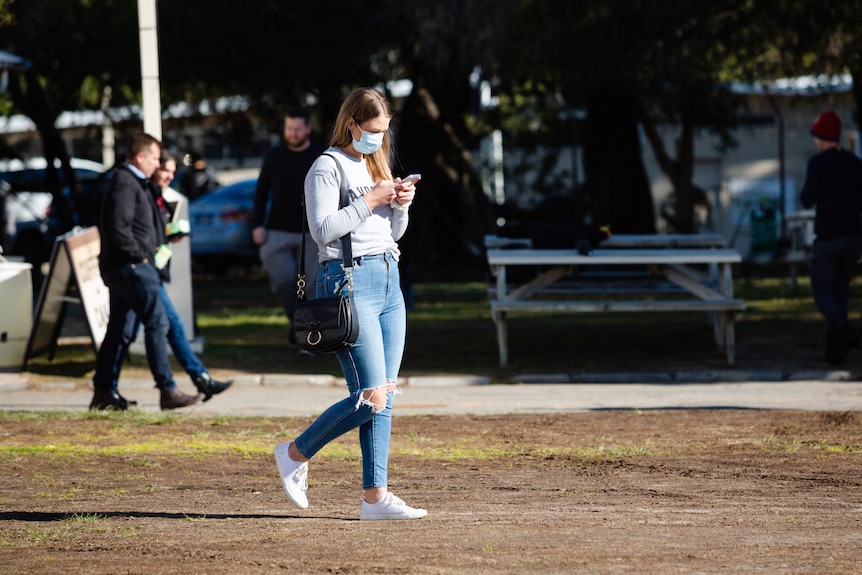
<point>833,183</point>
<point>131,226</point>
<point>280,187</point>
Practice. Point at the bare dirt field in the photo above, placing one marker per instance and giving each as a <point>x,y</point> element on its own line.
<point>676,491</point>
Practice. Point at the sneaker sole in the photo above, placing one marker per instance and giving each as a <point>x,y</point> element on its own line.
<point>391,517</point>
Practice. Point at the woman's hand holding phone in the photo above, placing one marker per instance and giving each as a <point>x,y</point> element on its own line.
<point>406,190</point>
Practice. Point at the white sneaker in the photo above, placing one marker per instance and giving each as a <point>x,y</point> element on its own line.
<point>294,476</point>
<point>390,507</point>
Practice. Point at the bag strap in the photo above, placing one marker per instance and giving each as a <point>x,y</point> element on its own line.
<point>346,244</point>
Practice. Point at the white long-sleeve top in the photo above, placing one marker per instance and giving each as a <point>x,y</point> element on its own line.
<point>372,231</point>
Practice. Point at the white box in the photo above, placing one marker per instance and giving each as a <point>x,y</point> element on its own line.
<point>16,312</point>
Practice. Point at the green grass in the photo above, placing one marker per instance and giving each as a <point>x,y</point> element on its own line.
<point>143,442</point>
<point>70,525</point>
<point>147,444</point>
<point>450,331</point>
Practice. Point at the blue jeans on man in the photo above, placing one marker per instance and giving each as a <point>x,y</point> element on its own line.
<point>177,340</point>
<point>134,296</point>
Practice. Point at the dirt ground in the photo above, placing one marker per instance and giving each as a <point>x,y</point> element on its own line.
<point>678,491</point>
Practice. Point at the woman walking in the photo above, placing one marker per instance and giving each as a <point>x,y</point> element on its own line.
<point>376,218</point>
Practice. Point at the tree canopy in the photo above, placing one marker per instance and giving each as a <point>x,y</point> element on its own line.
<point>595,72</point>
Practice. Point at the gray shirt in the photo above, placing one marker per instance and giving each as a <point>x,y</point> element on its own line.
<point>372,231</point>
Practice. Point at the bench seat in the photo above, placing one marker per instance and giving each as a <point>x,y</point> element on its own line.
<point>616,305</point>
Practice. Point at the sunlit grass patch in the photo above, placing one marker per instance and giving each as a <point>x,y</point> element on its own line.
<point>777,443</point>
<point>467,450</point>
<point>81,519</point>
<point>134,531</point>
<point>134,446</point>
<point>43,535</point>
<point>839,448</point>
<point>68,527</point>
<point>143,450</point>
<point>615,451</point>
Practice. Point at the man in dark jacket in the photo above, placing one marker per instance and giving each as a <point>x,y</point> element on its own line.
<point>278,211</point>
<point>833,183</point>
<point>131,229</point>
<point>177,340</point>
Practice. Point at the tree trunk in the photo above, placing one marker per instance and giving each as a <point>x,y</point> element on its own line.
<point>451,214</point>
<point>856,75</point>
<point>679,210</point>
<point>29,96</point>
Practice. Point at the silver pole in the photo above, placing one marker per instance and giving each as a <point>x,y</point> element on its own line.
<point>149,39</point>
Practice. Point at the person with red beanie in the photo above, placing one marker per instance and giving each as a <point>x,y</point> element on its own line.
<point>833,183</point>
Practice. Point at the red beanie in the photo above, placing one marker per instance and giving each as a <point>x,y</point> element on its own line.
<point>827,127</point>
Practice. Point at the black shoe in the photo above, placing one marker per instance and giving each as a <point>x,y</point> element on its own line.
<point>108,400</point>
<point>210,387</point>
<point>854,337</point>
<point>175,398</point>
<point>838,343</point>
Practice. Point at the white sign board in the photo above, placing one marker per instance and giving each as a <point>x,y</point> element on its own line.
<point>84,250</point>
<point>73,278</point>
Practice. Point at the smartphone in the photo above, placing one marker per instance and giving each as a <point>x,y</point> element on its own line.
<point>411,178</point>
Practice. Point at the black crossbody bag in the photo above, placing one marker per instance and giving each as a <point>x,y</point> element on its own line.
<point>326,325</point>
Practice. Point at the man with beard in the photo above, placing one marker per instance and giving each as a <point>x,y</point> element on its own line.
<point>278,211</point>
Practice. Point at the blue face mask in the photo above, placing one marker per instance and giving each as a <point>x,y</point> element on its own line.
<point>368,142</point>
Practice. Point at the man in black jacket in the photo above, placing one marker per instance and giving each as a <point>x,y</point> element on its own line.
<point>131,229</point>
<point>278,211</point>
<point>833,183</point>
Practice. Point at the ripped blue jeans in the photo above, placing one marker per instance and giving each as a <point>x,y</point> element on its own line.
<point>372,362</point>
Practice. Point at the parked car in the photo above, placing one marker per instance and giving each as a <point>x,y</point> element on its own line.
<point>221,224</point>
<point>24,213</point>
<point>27,207</point>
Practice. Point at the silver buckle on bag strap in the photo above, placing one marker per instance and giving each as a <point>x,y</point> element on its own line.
<point>300,287</point>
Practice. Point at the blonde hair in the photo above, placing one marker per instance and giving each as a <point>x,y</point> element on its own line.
<point>365,104</point>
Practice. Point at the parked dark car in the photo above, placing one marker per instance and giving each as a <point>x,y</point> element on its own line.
<point>221,224</point>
